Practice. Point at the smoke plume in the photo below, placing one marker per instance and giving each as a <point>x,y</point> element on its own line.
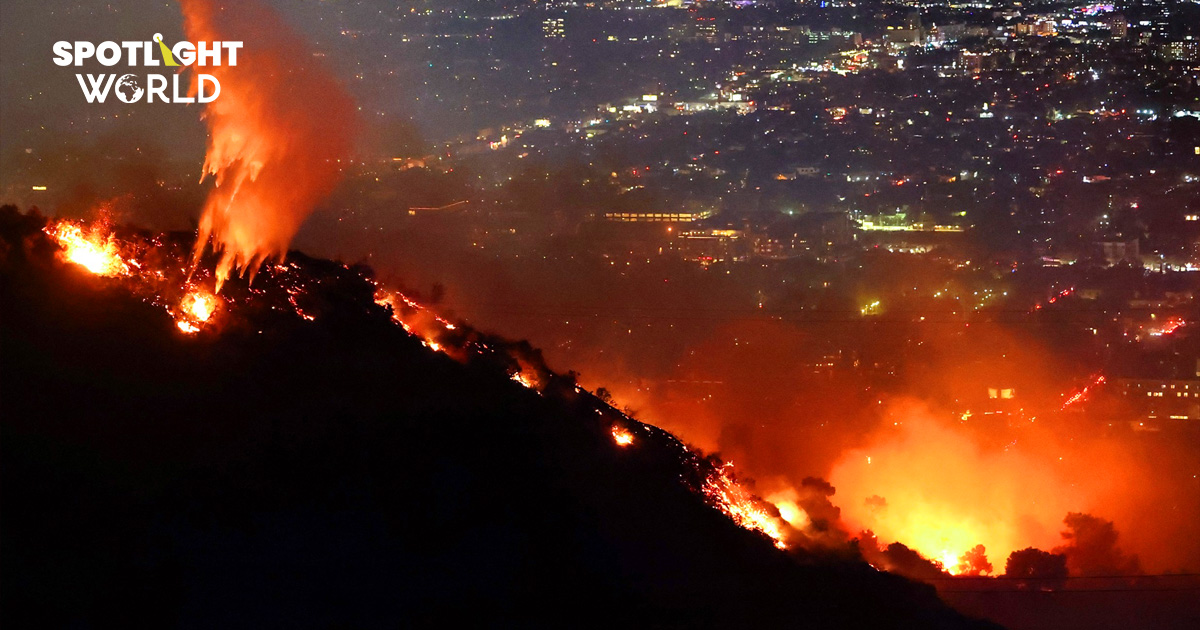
<point>1092,548</point>
<point>277,134</point>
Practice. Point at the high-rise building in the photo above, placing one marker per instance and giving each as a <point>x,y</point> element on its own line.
<point>1117,25</point>
<point>1187,49</point>
<point>554,28</point>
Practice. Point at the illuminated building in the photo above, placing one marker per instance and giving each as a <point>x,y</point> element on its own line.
<point>1117,25</point>
<point>682,216</point>
<point>1182,50</point>
<point>553,28</point>
<point>1161,400</point>
<point>713,246</point>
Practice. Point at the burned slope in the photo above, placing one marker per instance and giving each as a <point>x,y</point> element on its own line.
<point>336,472</point>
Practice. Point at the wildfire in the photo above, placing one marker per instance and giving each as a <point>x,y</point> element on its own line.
<point>273,155</point>
<point>102,253</point>
<point>949,563</point>
<point>934,487</point>
<point>621,436</point>
<point>787,502</point>
<point>98,253</point>
<point>94,252</point>
<point>197,308</point>
<point>727,495</point>
<point>200,305</point>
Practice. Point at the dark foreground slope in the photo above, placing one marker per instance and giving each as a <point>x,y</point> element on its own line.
<point>284,473</point>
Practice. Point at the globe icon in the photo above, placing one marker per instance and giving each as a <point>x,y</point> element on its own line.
<point>129,90</point>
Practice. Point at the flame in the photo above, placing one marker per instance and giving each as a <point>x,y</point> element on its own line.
<point>524,380</point>
<point>790,511</point>
<point>949,562</point>
<point>931,486</point>
<point>94,252</point>
<point>277,135</point>
<point>99,253</point>
<point>748,511</point>
<point>196,308</point>
<point>200,305</point>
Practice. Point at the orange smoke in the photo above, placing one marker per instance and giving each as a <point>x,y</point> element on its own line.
<point>277,134</point>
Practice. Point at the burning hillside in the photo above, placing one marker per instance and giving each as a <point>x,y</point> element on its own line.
<point>144,263</point>
<point>350,443</point>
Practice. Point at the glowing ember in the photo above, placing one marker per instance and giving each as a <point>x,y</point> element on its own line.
<point>96,253</point>
<point>1083,393</point>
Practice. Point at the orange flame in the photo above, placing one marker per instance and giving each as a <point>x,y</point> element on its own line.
<point>934,488</point>
<point>94,252</point>
<point>196,308</point>
<point>199,305</point>
<point>622,436</point>
<point>277,134</point>
<point>745,509</point>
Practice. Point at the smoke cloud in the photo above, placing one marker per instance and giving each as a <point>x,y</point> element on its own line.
<point>277,134</point>
<point>1092,549</point>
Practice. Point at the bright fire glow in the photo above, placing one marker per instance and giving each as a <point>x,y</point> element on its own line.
<point>738,504</point>
<point>949,563</point>
<point>791,511</point>
<point>935,489</point>
<point>273,152</point>
<point>622,437</point>
<point>196,308</point>
<point>199,305</point>
<point>94,252</point>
